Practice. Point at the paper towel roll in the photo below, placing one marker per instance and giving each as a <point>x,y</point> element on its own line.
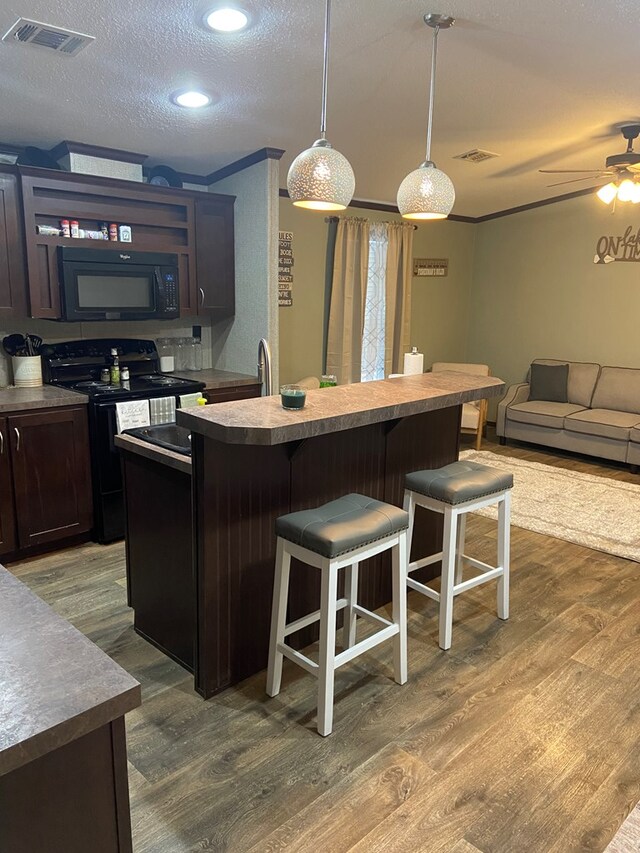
<point>413,362</point>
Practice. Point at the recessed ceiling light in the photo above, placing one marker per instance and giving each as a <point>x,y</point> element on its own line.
<point>191,99</point>
<point>227,19</point>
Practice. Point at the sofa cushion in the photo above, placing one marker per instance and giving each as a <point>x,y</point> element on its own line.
<point>602,422</point>
<point>634,434</point>
<point>582,379</point>
<point>549,382</point>
<point>542,413</point>
<point>618,388</point>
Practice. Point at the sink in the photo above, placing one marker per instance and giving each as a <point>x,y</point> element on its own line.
<point>169,436</point>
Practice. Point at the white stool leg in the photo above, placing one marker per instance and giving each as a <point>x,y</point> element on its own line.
<point>399,562</point>
<point>504,545</point>
<point>351,594</point>
<point>278,617</point>
<point>446,581</point>
<point>326,665</point>
<point>409,506</point>
<point>462,528</point>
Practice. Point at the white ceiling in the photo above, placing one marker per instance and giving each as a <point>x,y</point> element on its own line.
<point>541,83</point>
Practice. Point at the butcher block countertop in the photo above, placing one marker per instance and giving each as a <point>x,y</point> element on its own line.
<point>263,421</point>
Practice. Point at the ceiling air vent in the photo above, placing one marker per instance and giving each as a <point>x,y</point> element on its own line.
<point>476,155</point>
<point>34,33</point>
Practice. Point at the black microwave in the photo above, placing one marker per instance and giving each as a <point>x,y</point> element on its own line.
<point>105,284</point>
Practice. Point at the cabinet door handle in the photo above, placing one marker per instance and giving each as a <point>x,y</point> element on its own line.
<point>1,444</point>
<point>201,296</point>
<point>17,432</point>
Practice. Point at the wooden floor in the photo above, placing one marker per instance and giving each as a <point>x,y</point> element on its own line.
<point>524,737</point>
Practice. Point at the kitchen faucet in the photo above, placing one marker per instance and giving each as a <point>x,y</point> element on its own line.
<point>264,366</point>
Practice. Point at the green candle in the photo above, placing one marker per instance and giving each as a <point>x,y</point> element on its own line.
<point>292,397</point>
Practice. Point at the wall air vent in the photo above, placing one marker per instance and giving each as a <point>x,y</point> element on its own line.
<point>66,42</point>
<point>476,155</point>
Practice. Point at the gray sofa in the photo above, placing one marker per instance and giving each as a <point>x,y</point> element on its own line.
<point>600,418</point>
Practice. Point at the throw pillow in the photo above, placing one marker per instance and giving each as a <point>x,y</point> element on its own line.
<point>549,382</point>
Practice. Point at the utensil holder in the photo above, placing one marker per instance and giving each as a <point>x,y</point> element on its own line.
<point>27,371</point>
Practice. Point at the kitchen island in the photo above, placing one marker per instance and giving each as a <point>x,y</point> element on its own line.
<point>254,461</point>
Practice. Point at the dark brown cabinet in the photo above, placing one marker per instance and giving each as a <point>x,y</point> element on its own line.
<point>46,492</point>
<point>233,392</point>
<point>197,227</point>
<point>13,284</point>
<point>7,514</point>
<point>215,254</point>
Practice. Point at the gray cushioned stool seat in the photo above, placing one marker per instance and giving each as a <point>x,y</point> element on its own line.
<point>341,525</point>
<point>459,482</point>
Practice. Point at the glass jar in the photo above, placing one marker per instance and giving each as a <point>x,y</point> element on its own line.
<point>166,354</point>
<point>181,352</point>
<point>196,354</point>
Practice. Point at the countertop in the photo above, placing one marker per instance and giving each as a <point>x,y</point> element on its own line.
<point>213,378</point>
<point>55,684</point>
<point>162,455</point>
<point>45,397</point>
<point>262,420</point>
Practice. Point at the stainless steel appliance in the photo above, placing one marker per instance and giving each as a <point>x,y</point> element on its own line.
<point>106,284</point>
<point>77,365</point>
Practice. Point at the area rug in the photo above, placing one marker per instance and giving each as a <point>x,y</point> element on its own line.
<point>627,838</point>
<point>596,512</point>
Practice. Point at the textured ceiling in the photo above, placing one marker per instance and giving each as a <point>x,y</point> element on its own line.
<point>542,84</point>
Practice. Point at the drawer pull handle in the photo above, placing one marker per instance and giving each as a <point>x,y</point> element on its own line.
<point>17,432</point>
<point>1,444</point>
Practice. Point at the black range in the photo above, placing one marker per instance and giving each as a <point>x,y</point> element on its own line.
<point>76,365</point>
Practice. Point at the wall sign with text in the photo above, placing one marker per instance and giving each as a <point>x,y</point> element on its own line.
<point>430,266</point>
<point>285,268</point>
<point>624,247</point>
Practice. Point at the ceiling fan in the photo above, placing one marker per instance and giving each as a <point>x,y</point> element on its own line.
<point>619,166</point>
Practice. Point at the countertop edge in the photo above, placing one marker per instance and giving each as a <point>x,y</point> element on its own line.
<point>42,743</point>
<point>269,436</point>
<point>57,685</point>
<point>161,455</point>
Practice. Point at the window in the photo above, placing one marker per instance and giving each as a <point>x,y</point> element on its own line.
<point>373,335</point>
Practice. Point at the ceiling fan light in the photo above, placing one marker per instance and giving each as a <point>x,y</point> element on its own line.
<point>607,193</point>
<point>426,193</point>
<point>626,190</point>
<point>321,178</point>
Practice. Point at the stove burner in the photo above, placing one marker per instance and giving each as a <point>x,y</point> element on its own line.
<point>98,386</point>
<point>162,380</point>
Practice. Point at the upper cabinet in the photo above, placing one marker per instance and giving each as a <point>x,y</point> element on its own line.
<point>215,254</point>
<point>161,220</point>
<point>13,286</point>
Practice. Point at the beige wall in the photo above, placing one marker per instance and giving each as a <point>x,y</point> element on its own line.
<point>440,306</point>
<point>537,293</point>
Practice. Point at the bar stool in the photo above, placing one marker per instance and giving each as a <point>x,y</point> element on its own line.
<point>455,490</point>
<point>338,535</point>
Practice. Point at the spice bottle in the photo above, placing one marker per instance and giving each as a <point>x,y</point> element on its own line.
<point>114,370</point>
<point>66,228</point>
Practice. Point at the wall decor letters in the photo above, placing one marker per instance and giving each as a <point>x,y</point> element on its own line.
<point>625,247</point>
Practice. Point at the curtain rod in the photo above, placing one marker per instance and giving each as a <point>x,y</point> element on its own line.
<point>337,219</point>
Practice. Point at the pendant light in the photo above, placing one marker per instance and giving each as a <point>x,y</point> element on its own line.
<point>428,193</point>
<point>321,178</point>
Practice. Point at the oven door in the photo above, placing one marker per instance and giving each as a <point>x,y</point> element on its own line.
<point>95,291</point>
